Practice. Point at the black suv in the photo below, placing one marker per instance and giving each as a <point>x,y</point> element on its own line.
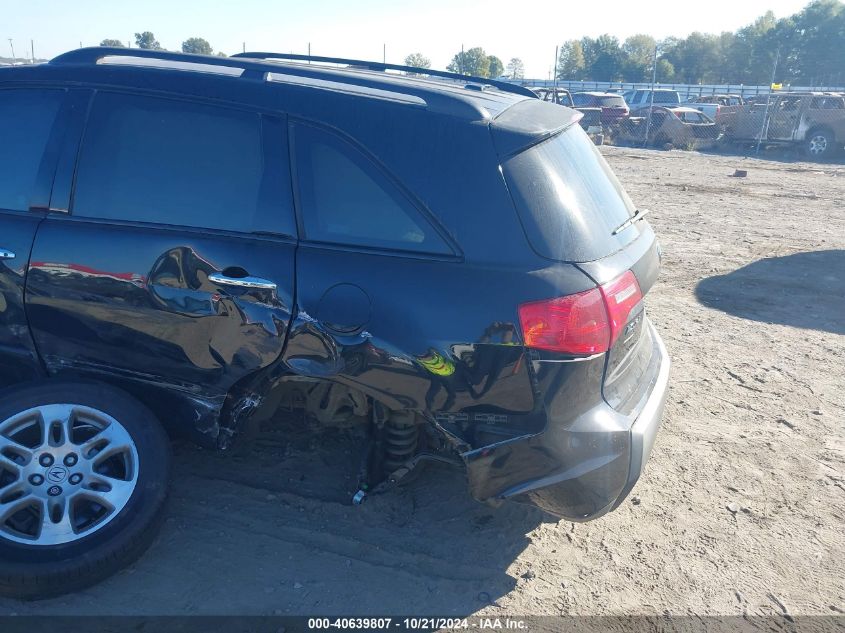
<point>193,243</point>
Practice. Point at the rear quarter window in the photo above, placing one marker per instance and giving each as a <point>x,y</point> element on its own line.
<point>345,198</point>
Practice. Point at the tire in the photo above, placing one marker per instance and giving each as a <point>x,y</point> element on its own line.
<point>126,466</point>
<point>819,143</point>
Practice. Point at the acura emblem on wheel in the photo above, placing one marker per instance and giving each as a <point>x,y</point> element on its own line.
<point>57,474</point>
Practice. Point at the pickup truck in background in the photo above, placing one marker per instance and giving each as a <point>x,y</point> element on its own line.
<point>720,107</point>
<point>814,120</point>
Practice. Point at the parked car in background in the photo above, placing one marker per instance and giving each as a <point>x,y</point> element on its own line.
<point>613,106</point>
<point>560,96</point>
<point>590,121</point>
<point>639,98</point>
<point>204,242</point>
<point>717,107</point>
<point>677,126</point>
<point>812,120</point>
<point>592,124</point>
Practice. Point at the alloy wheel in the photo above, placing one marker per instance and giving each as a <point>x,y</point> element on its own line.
<point>818,145</point>
<point>65,471</point>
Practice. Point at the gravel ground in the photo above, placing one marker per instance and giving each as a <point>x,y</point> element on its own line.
<point>740,510</point>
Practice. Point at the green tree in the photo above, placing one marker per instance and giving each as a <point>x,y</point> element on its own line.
<point>818,43</point>
<point>603,58</point>
<point>516,69</point>
<point>417,60</point>
<point>665,71</point>
<point>695,58</point>
<point>472,62</point>
<point>112,43</point>
<point>495,67</point>
<point>197,46</point>
<point>639,57</point>
<point>571,64</point>
<point>147,40</point>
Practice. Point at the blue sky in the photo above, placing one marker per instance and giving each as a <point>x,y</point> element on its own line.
<point>528,29</point>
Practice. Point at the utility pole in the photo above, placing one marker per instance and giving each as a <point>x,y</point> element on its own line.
<point>384,53</point>
<point>651,101</point>
<point>309,52</point>
<point>764,128</point>
<point>12,46</point>
<point>555,75</point>
<point>32,49</point>
<point>244,47</point>
<point>460,66</point>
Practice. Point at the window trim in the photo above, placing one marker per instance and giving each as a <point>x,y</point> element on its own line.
<point>270,160</point>
<point>410,198</point>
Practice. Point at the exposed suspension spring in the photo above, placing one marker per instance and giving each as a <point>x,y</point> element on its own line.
<point>401,436</point>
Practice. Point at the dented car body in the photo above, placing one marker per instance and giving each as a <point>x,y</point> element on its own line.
<point>484,301</point>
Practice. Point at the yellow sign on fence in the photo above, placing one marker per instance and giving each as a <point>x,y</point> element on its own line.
<point>777,86</point>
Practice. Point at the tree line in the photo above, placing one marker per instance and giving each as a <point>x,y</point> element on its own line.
<point>809,48</point>
<point>147,39</point>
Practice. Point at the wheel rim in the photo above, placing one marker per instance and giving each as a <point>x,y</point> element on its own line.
<point>818,144</point>
<point>66,470</point>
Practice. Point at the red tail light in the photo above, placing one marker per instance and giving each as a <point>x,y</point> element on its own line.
<point>620,297</point>
<point>585,323</point>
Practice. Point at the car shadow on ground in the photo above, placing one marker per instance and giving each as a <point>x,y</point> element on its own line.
<point>805,290</point>
<point>270,529</point>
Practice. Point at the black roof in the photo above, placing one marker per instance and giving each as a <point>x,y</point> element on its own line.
<point>463,96</point>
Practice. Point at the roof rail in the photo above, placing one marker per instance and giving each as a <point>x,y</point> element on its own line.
<point>93,54</point>
<point>382,66</point>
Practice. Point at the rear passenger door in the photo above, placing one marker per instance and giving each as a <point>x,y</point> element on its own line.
<point>27,119</point>
<point>168,259</point>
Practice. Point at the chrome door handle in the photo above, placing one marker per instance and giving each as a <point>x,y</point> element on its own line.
<point>242,282</point>
<point>5,253</point>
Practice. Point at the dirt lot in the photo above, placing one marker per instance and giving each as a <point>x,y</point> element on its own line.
<point>741,509</point>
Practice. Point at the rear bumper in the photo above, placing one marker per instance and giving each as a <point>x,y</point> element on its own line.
<point>579,469</point>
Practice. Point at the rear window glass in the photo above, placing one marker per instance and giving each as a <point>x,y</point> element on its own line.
<point>26,118</point>
<point>665,96</point>
<point>583,100</point>
<point>568,199</point>
<point>611,102</point>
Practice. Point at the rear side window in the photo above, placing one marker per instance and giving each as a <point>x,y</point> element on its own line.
<point>345,198</point>
<point>568,199</point>
<point>146,159</point>
<point>26,119</point>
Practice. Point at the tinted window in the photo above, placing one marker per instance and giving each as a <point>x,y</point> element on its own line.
<point>26,118</point>
<point>581,99</point>
<point>171,162</point>
<point>346,199</point>
<point>666,96</point>
<point>611,102</point>
<point>568,199</point>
